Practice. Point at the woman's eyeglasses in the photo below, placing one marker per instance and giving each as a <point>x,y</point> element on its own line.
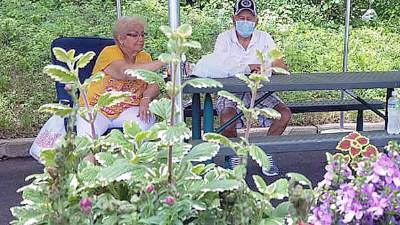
<point>136,35</point>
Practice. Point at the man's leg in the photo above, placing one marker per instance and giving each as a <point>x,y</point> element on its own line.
<point>278,126</point>
<point>225,115</point>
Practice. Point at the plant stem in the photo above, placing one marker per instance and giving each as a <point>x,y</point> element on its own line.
<point>90,113</point>
<point>250,119</point>
<point>172,123</point>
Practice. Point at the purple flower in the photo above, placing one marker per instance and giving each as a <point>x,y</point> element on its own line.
<point>150,188</point>
<point>169,200</point>
<point>363,194</point>
<point>86,205</point>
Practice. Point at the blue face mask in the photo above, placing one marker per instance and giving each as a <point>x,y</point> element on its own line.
<point>245,28</point>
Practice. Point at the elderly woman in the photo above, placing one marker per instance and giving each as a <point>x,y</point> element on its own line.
<point>127,53</point>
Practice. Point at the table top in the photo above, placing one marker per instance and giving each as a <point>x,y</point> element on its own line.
<point>311,81</point>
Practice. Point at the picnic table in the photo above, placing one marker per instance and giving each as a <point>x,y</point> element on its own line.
<point>294,82</point>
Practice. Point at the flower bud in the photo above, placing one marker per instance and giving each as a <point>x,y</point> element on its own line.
<point>86,205</point>
<point>150,188</point>
<point>169,200</point>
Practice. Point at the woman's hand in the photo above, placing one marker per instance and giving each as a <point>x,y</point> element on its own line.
<point>144,112</point>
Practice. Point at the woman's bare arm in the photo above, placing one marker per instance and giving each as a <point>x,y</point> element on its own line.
<point>117,68</point>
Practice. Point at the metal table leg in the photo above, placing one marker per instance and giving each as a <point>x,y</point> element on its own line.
<point>196,118</point>
<point>208,114</point>
<point>388,95</point>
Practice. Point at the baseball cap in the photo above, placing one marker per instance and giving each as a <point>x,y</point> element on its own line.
<point>245,5</point>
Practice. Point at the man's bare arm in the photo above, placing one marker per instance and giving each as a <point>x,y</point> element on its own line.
<point>280,63</point>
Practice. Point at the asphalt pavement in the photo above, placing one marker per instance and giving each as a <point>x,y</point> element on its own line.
<point>12,176</point>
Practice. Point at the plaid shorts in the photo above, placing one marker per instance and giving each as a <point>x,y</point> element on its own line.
<point>270,102</point>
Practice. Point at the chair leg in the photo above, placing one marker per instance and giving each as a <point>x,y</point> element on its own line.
<point>360,119</point>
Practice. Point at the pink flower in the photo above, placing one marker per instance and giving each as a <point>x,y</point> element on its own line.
<point>86,205</point>
<point>150,188</point>
<point>169,200</point>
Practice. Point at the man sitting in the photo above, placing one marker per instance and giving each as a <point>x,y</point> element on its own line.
<point>241,42</point>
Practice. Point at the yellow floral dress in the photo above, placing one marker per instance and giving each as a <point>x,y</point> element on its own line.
<point>107,84</point>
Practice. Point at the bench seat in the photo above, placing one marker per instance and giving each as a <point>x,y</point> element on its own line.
<point>308,142</point>
<point>316,106</point>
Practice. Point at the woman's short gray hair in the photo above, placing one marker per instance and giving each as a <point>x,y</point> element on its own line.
<point>124,22</point>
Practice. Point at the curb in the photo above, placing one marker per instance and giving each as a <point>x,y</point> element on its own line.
<point>13,148</point>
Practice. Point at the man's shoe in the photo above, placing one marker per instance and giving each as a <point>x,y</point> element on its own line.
<point>232,161</point>
<point>273,169</point>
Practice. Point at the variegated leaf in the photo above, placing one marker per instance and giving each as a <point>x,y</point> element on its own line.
<point>185,30</point>
<point>166,30</point>
<point>203,83</point>
<point>260,184</point>
<point>246,79</point>
<point>48,157</point>
<point>300,178</point>
<point>219,139</point>
<point>122,169</point>
<point>232,97</point>
<point>131,128</point>
<point>274,54</point>
<point>260,55</point>
<point>165,57</point>
<point>116,139</point>
<point>105,158</point>
<point>273,221</point>
<point>282,210</point>
<point>61,55</point>
<point>259,77</point>
<point>278,189</point>
<point>192,44</point>
<point>202,152</point>
<point>95,77</point>
<point>259,156</point>
<point>71,54</point>
<point>60,74</point>
<point>220,186</point>
<point>111,98</point>
<point>57,109</point>
<point>85,59</point>
<point>88,176</point>
<point>161,108</point>
<point>147,76</point>
<point>279,70</point>
<point>269,113</point>
<point>175,134</point>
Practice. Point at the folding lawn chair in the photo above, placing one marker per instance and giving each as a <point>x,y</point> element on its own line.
<point>81,45</point>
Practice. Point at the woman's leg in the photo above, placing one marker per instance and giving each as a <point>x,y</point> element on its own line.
<point>131,114</point>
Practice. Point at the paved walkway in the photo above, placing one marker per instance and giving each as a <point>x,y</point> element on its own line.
<point>12,176</point>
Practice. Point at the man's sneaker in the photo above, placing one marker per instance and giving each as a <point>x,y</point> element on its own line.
<point>273,170</point>
<point>232,161</point>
